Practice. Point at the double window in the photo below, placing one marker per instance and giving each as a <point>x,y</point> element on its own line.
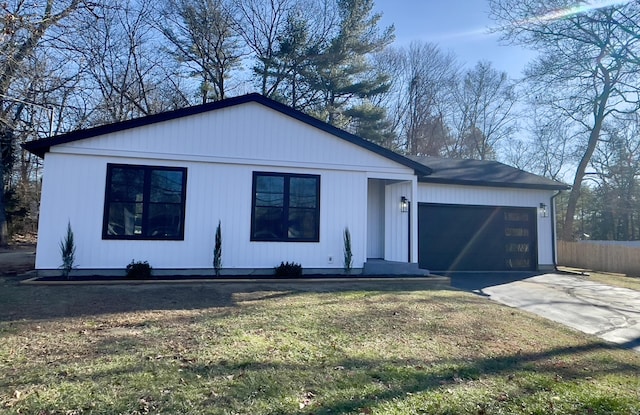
<point>144,202</point>
<point>286,207</point>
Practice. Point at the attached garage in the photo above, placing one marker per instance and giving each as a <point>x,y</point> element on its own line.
<point>476,238</point>
<point>481,215</point>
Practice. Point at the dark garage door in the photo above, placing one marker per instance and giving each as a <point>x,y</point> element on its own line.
<point>476,238</point>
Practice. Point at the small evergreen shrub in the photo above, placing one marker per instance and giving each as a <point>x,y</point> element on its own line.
<point>68,252</point>
<point>348,255</point>
<point>138,270</point>
<point>217,250</point>
<point>288,270</point>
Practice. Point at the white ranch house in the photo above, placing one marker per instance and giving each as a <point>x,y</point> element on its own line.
<point>284,186</point>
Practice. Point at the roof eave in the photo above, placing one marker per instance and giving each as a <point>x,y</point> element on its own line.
<point>39,151</point>
<point>484,183</point>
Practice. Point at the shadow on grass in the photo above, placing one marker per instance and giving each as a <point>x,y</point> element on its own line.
<point>27,302</point>
<point>349,385</point>
<point>374,382</point>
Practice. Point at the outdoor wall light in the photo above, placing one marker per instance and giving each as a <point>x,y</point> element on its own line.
<point>404,204</point>
<point>543,210</point>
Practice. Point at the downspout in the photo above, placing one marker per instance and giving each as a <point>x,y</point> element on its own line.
<point>553,229</point>
<point>409,235</point>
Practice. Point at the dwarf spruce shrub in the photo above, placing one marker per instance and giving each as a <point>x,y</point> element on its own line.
<point>67,252</point>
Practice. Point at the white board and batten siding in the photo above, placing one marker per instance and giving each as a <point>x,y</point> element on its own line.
<point>220,150</point>
<point>375,219</point>
<point>497,196</point>
<point>245,134</point>
<point>397,223</point>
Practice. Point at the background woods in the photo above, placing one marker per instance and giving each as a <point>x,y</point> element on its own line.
<point>69,64</point>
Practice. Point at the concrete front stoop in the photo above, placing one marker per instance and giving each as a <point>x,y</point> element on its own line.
<point>391,268</point>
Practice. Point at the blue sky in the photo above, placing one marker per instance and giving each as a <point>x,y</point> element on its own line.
<point>456,25</point>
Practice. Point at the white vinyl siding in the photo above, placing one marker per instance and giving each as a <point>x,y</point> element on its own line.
<point>244,134</point>
<point>214,192</point>
<point>375,219</point>
<point>396,234</point>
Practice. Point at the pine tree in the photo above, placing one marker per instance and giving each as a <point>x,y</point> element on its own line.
<point>371,122</point>
<point>343,71</point>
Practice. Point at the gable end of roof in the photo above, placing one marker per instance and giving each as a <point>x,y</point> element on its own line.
<point>43,146</point>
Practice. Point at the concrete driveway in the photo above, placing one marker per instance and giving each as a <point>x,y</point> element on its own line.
<point>610,313</point>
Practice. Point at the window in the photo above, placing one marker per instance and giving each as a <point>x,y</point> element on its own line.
<point>286,207</point>
<point>144,202</point>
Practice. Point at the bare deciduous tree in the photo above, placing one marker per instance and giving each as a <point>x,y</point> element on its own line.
<point>547,150</point>
<point>204,38</point>
<point>617,171</point>
<point>261,23</point>
<point>422,79</point>
<point>23,29</point>
<point>122,65</point>
<point>483,114</point>
<point>587,69</point>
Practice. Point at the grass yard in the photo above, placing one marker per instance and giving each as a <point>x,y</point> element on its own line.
<point>609,278</point>
<point>296,349</point>
<point>618,280</point>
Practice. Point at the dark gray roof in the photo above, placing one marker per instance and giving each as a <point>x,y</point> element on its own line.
<point>482,173</point>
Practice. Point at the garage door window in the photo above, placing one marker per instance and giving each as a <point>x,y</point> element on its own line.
<point>516,232</point>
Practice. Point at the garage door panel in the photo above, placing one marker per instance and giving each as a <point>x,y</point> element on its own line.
<point>476,238</point>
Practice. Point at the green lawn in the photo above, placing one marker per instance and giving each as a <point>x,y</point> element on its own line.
<point>297,349</point>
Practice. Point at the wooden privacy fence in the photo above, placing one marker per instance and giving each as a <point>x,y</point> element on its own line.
<point>607,258</point>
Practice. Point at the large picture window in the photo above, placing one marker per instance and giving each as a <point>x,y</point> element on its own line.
<point>286,207</point>
<point>144,202</point>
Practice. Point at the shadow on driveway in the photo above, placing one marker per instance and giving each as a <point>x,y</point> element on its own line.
<point>478,281</point>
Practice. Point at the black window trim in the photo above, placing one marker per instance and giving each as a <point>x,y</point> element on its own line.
<point>287,176</point>
<point>146,191</point>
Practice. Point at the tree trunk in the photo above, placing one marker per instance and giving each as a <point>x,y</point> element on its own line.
<point>4,231</point>
<point>594,137</point>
